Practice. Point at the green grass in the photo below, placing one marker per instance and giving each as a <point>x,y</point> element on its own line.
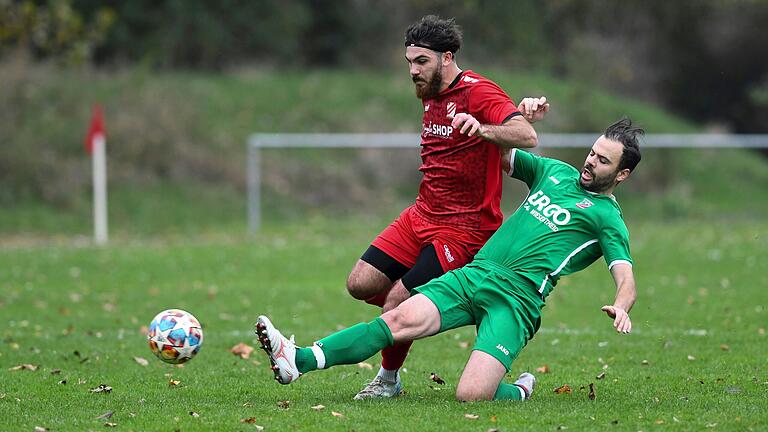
<point>701,290</point>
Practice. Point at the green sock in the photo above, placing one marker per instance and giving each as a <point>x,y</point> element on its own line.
<point>508,392</point>
<point>305,360</point>
<point>349,346</point>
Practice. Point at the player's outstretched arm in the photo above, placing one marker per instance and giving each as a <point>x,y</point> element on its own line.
<point>625,297</point>
<point>515,132</point>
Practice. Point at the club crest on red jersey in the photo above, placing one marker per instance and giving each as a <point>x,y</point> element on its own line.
<point>450,109</point>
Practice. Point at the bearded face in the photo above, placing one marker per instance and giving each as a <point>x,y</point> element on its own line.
<point>597,183</point>
<point>600,172</point>
<point>428,87</point>
<point>426,69</point>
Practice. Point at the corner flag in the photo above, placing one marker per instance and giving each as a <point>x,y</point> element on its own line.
<point>95,144</point>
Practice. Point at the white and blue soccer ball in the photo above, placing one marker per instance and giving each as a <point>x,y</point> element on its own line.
<point>175,336</point>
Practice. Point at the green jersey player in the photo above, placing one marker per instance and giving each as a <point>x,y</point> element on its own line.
<point>569,219</point>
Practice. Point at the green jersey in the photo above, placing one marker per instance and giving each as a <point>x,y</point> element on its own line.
<point>559,229</point>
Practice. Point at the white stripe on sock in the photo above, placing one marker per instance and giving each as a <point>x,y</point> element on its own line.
<point>319,356</point>
<point>522,392</point>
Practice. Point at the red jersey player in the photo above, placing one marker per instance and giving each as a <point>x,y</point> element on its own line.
<point>467,120</point>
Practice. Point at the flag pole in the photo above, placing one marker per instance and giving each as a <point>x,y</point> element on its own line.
<point>99,160</point>
<point>96,145</point>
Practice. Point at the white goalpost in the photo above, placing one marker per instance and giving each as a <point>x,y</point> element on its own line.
<point>257,142</point>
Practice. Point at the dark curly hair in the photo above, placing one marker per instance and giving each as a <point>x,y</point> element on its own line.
<point>622,131</point>
<point>434,33</point>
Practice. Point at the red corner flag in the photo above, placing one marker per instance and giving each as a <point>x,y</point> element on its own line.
<point>96,129</point>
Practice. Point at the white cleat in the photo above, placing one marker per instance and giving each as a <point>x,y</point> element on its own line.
<point>281,351</point>
<point>379,388</point>
<point>526,382</point>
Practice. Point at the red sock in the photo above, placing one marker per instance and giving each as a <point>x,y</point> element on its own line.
<point>393,357</point>
<point>379,299</point>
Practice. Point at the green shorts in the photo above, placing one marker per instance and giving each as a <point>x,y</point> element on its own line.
<point>504,307</point>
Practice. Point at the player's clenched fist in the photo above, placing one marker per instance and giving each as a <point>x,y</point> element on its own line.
<point>465,123</point>
<point>533,109</point>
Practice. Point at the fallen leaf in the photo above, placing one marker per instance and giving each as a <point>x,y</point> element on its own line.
<point>675,419</point>
<point>493,419</point>
<point>471,416</point>
<point>645,363</point>
<point>242,350</point>
<point>761,331</point>
<point>55,371</point>
<point>194,414</point>
<point>725,347</point>
<point>565,388</point>
<point>284,404</point>
<point>108,424</point>
<point>140,360</point>
<point>433,376</point>
<point>543,369</point>
<point>173,383</point>
<point>247,404</point>
<point>711,425</point>
<point>40,429</point>
<point>601,375</point>
<point>562,427</point>
<point>364,365</point>
<point>248,420</point>
<point>259,427</point>
<point>691,358</point>
<point>25,366</point>
<point>591,391</point>
<point>106,416</point>
<point>337,414</point>
<point>659,421</point>
<point>318,407</point>
<point>102,388</point>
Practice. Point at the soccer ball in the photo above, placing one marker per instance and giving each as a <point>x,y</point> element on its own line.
<point>175,336</point>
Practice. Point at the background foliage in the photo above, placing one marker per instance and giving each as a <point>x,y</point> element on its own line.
<point>183,83</point>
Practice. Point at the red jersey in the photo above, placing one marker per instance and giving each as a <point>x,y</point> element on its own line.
<point>462,174</point>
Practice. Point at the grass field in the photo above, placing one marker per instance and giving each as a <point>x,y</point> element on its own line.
<point>695,361</point>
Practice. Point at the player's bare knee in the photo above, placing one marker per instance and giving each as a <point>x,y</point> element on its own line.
<point>365,281</point>
<point>471,394</point>
<point>399,324</point>
<point>357,289</point>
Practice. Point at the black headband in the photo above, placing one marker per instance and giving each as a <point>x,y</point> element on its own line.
<point>421,45</point>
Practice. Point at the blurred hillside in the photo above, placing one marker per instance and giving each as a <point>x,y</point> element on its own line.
<point>183,87</point>
<point>177,147</point>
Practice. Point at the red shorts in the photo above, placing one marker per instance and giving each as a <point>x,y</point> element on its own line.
<point>404,239</point>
